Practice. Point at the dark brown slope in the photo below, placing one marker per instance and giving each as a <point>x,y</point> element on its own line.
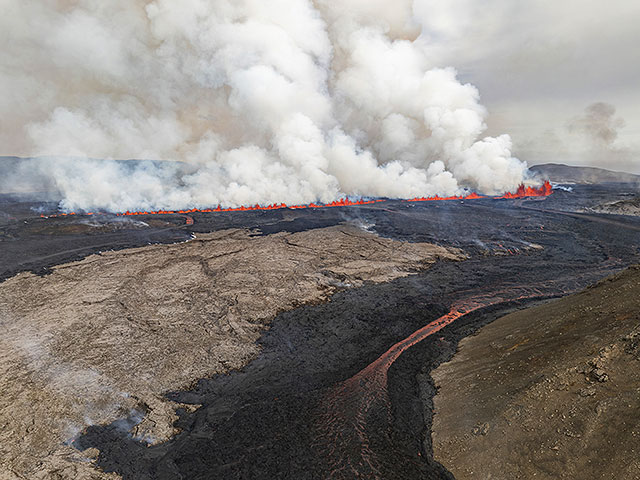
<point>548,392</point>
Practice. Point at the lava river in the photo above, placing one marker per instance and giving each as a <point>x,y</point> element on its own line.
<point>344,423</point>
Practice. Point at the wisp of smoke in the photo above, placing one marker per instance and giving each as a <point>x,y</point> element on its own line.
<point>291,101</point>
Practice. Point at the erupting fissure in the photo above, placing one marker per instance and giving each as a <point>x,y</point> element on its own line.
<point>174,105</point>
<point>522,192</point>
<point>544,191</point>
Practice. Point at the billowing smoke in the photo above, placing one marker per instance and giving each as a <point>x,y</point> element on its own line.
<point>598,125</point>
<point>591,138</point>
<point>283,101</point>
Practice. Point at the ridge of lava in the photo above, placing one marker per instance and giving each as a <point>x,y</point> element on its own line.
<point>522,192</point>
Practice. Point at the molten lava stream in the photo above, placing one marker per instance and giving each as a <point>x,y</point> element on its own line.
<point>343,423</point>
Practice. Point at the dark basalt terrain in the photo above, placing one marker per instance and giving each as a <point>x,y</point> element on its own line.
<point>293,412</point>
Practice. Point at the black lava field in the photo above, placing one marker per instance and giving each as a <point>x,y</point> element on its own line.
<point>342,390</point>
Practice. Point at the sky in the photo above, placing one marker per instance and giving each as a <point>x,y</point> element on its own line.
<point>544,68</point>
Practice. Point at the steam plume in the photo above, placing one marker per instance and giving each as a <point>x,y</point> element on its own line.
<point>598,125</point>
<point>282,101</point>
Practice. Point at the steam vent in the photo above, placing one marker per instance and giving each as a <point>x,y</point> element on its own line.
<point>286,240</point>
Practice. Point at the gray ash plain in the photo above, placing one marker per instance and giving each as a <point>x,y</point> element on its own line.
<point>267,420</point>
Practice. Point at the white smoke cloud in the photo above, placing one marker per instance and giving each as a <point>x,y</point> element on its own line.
<point>284,101</point>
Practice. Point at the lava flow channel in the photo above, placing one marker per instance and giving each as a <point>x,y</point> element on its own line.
<point>522,192</point>
<point>350,407</point>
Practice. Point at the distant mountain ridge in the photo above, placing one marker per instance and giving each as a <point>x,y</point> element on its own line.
<point>560,173</point>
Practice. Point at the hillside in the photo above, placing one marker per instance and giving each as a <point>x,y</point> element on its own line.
<point>547,392</point>
<point>560,173</point>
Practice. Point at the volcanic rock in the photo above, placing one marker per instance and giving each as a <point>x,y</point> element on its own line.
<point>629,206</point>
<point>106,337</point>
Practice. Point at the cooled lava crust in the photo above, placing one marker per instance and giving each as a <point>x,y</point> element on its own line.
<point>293,412</point>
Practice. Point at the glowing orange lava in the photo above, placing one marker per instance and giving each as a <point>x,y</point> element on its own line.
<point>522,192</point>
